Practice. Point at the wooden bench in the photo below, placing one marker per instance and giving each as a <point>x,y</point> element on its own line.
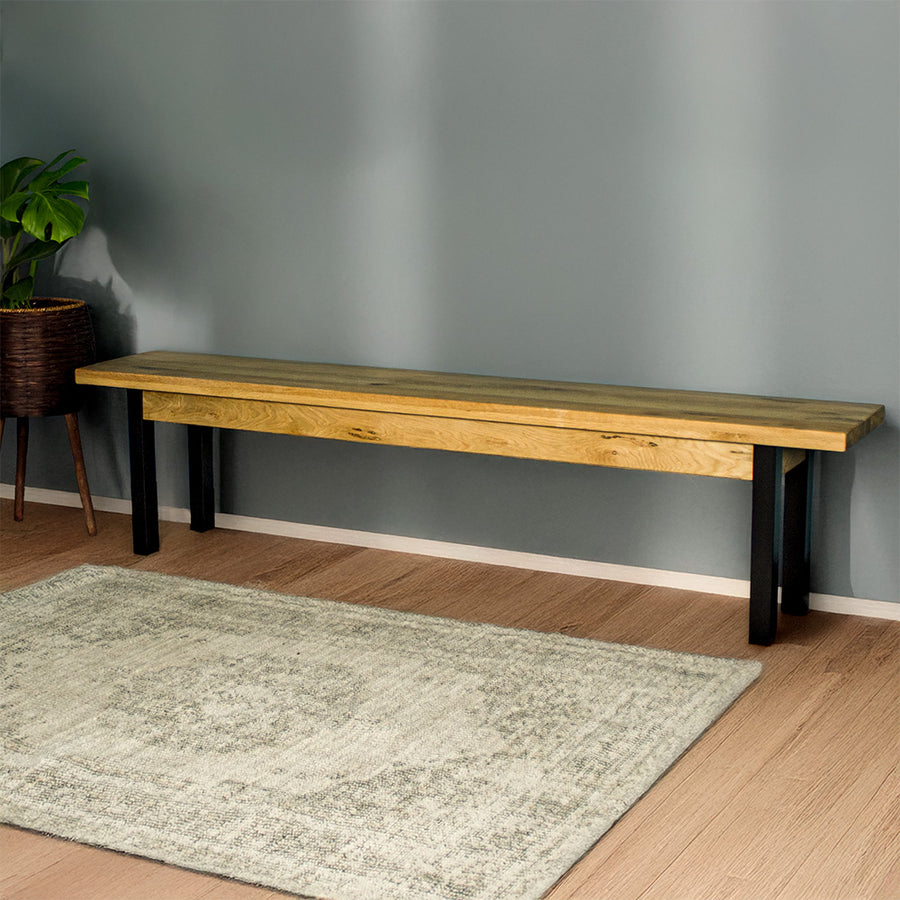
<point>769,441</point>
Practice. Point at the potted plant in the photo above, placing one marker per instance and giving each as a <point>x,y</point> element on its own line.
<point>42,339</point>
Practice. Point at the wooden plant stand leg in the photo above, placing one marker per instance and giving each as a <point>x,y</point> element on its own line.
<point>21,454</point>
<point>81,473</point>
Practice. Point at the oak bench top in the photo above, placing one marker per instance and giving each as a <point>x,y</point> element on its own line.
<point>738,418</point>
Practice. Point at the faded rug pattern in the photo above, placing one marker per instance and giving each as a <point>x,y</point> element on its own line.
<point>325,748</point>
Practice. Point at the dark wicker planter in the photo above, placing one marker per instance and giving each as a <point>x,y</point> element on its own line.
<point>40,349</point>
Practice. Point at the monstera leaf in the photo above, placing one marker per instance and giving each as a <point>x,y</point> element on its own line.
<point>36,218</point>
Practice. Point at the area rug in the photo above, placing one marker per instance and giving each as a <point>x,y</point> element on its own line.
<point>329,749</point>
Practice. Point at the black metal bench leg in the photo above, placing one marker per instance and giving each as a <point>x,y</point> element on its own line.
<point>142,451</point>
<point>765,538</point>
<point>200,474</point>
<point>798,491</point>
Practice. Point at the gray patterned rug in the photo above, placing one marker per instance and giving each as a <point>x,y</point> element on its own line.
<point>329,749</point>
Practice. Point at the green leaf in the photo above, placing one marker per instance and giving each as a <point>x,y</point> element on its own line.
<point>34,251</point>
<point>11,206</point>
<point>56,159</point>
<point>13,172</point>
<point>52,218</point>
<point>18,295</point>
<point>8,230</point>
<point>74,188</point>
<point>48,178</point>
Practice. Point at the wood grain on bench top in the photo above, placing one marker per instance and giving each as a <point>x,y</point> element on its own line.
<point>731,418</point>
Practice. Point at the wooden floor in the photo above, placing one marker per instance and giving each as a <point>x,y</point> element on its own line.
<point>791,795</point>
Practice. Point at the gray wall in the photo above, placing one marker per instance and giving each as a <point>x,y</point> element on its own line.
<point>694,195</point>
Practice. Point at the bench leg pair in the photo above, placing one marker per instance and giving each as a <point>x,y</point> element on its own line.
<point>144,503</point>
<point>779,541</point>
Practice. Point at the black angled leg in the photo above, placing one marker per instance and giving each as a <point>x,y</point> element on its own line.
<point>142,450</point>
<point>200,473</point>
<point>798,490</point>
<point>764,544</point>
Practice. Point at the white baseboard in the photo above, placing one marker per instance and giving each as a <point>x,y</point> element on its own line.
<point>706,584</point>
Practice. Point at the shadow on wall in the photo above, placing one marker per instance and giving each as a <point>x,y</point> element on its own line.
<point>87,263</point>
<point>833,522</point>
<point>84,269</point>
<point>125,322</point>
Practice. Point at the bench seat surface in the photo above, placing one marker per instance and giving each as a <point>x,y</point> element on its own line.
<point>730,418</point>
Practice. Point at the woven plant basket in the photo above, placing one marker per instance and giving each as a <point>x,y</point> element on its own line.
<point>40,349</point>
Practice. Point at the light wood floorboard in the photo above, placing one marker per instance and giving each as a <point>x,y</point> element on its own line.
<point>794,794</point>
